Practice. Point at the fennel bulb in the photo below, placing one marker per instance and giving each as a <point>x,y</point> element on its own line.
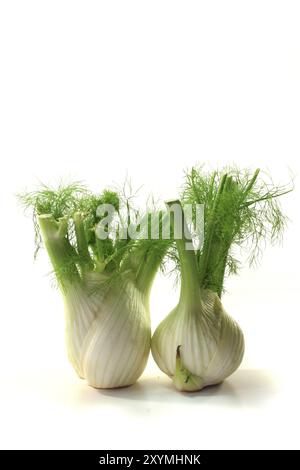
<point>105,283</point>
<point>198,343</point>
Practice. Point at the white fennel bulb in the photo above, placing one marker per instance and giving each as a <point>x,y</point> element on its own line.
<point>80,312</point>
<point>105,283</point>
<point>116,347</point>
<point>198,345</point>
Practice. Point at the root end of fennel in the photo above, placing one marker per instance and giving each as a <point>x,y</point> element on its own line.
<point>183,379</point>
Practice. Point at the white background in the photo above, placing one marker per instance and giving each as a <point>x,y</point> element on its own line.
<point>94,90</point>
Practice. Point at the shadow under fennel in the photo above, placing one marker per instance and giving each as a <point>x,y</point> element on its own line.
<point>246,387</point>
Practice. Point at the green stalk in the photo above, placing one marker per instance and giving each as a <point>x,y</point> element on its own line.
<point>208,243</point>
<point>215,279</point>
<point>146,274</point>
<point>82,244</point>
<point>100,250</point>
<point>220,242</point>
<point>252,182</point>
<point>190,287</point>
<point>220,274</point>
<point>148,269</point>
<point>211,185</point>
<point>149,254</point>
<point>220,246</point>
<point>59,249</point>
<point>267,198</point>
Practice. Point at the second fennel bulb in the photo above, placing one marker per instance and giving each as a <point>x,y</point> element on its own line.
<point>198,343</point>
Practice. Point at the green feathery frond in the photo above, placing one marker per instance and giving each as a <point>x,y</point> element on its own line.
<point>240,210</point>
<point>71,213</point>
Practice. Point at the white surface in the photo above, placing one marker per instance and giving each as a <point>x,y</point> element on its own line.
<point>93,90</point>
